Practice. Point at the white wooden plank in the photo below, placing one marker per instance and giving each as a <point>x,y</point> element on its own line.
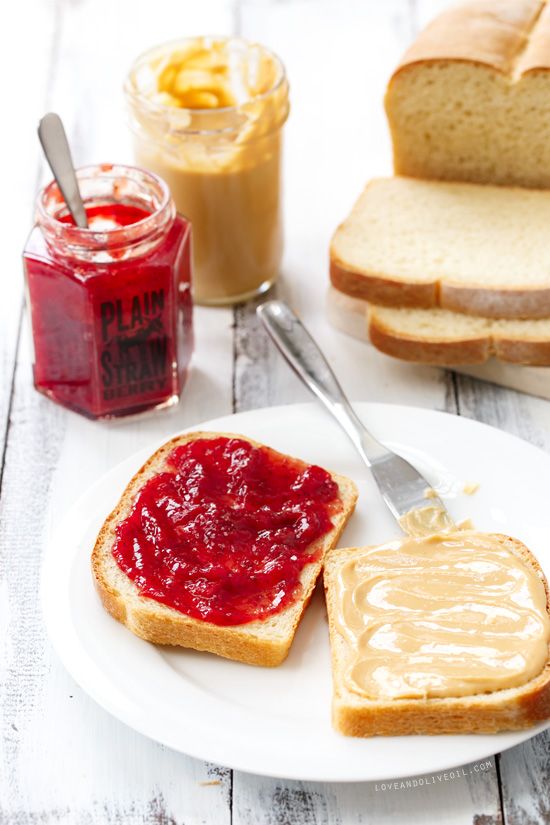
<point>23,48</point>
<point>32,449</point>
<point>338,58</point>
<point>519,414</point>
<point>445,798</point>
<point>525,775</point>
<point>97,770</point>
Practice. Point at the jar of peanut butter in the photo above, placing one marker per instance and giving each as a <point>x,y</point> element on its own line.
<point>207,116</point>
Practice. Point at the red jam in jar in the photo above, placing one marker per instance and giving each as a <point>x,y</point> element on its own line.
<point>110,305</point>
<point>224,533</point>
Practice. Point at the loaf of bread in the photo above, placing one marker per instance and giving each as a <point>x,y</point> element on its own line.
<point>471,248</point>
<point>470,101</point>
<point>261,642</point>
<point>355,714</point>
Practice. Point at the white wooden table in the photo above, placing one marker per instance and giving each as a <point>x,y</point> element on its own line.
<point>64,760</point>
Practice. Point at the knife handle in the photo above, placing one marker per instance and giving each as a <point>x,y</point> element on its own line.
<point>308,362</point>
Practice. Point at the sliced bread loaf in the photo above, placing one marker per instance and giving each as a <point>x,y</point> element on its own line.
<point>401,693</point>
<point>480,250</point>
<point>471,98</point>
<point>260,642</point>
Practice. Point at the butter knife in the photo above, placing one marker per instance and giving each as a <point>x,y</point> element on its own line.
<point>402,487</point>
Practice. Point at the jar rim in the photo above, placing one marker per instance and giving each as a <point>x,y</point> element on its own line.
<point>134,94</point>
<point>106,237</point>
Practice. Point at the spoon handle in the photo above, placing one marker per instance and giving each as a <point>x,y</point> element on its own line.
<point>58,154</point>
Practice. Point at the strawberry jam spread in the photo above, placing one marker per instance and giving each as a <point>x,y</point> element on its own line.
<point>108,216</point>
<point>224,533</point>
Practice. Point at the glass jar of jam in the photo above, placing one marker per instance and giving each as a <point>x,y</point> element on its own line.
<point>110,305</point>
<point>207,115</point>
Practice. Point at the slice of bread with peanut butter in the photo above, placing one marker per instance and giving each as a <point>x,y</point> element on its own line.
<point>440,634</point>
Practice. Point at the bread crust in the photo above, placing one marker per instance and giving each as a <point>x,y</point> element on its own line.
<point>160,624</point>
<point>448,352</point>
<point>523,303</point>
<point>510,38</point>
<point>381,289</point>
<point>442,353</point>
<point>509,709</point>
<point>384,289</point>
<point>531,353</point>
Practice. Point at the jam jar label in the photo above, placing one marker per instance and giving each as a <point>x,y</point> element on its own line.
<point>134,344</point>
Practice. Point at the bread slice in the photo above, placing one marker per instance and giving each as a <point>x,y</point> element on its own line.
<point>347,315</point>
<point>438,336</point>
<point>509,709</point>
<point>479,250</point>
<point>264,642</point>
<point>470,99</point>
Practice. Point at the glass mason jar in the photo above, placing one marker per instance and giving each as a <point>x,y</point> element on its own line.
<point>110,305</point>
<point>207,116</point>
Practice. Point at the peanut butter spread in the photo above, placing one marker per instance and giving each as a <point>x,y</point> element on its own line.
<point>425,520</point>
<point>453,614</point>
<point>201,73</point>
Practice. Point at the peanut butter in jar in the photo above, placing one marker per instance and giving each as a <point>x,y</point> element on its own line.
<point>207,116</point>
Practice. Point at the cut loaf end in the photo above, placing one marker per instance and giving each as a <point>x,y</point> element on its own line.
<point>469,101</point>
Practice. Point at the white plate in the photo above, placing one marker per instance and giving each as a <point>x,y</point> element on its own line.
<point>277,721</point>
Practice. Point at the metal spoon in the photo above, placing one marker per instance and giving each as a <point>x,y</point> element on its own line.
<point>58,154</point>
<point>402,487</point>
